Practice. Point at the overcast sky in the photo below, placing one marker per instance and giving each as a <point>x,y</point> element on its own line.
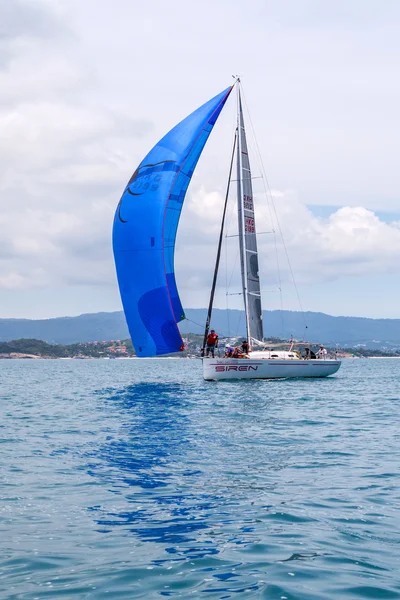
<point>87,88</point>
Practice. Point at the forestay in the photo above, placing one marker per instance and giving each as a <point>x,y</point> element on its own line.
<point>145,227</point>
<point>247,236</point>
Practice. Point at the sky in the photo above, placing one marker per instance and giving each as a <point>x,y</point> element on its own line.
<point>87,88</point>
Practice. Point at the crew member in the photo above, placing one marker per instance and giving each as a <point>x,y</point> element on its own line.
<point>322,352</point>
<point>212,343</point>
<point>229,351</point>
<point>237,353</point>
<point>245,347</point>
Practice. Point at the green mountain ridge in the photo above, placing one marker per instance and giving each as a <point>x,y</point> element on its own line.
<point>40,348</point>
<point>103,326</point>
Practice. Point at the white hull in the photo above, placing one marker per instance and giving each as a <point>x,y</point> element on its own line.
<point>249,368</point>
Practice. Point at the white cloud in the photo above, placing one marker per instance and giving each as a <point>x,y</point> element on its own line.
<point>353,241</point>
<point>77,105</point>
<point>64,157</point>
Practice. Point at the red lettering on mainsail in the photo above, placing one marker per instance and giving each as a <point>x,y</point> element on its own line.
<point>249,225</point>
<point>248,202</point>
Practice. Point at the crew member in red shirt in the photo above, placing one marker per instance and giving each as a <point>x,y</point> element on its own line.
<point>212,343</point>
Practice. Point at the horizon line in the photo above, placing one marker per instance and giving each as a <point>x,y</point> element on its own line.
<point>277,310</point>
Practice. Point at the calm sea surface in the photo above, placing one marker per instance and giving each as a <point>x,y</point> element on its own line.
<point>137,479</point>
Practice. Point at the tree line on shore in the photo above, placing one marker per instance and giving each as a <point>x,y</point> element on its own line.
<point>124,348</point>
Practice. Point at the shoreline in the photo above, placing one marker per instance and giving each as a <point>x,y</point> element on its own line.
<point>35,357</point>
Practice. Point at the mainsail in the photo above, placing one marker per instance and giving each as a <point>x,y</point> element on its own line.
<point>247,236</point>
<point>144,232</point>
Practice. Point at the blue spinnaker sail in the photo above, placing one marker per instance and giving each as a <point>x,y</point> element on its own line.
<point>144,232</point>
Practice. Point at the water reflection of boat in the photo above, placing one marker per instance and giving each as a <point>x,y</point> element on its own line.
<point>184,493</point>
<point>145,464</point>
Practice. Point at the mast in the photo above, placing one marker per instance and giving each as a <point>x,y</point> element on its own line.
<point>217,261</point>
<point>242,246</point>
<point>247,235</point>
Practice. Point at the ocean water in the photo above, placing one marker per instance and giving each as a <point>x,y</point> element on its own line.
<point>137,479</point>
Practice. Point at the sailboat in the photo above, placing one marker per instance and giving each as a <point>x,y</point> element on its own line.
<point>144,232</point>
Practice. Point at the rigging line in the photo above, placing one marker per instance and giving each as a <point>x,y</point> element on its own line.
<point>231,212</point>
<point>229,219</point>
<point>194,323</point>
<point>234,126</point>
<point>241,209</point>
<point>247,178</point>
<point>239,322</point>
<point>278,268</point>
<point>227,285</point>
<point>266,183</point>
<point>253,293</point>
<point>260,233</point>
<point>250,142</point>
<point>233,268</point>
<point>201,325</point>
<point>221,237</point>
<point>226,282</point>
<point>270,220</point>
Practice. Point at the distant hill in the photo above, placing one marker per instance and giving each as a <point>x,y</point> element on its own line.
<point>67,330</point>
<point>326,329</point>
<point>346,331</point>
